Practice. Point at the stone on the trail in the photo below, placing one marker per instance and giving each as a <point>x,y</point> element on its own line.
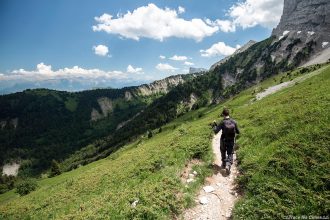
<point>191,176</point>
<point>133,205</point>
<point>195,172</point>
<point>190,180</point>
<point>219,184</point>
<point>208,189</point>
<point>203,200</point>
<point>228,214</point>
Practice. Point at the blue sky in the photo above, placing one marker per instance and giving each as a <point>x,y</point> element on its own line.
<point>119,43</point>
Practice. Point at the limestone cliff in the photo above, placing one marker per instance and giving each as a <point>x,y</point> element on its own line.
<point>305,16</point>
<point>159,87</point>
<point>306,22</point>
<point>162,86</point>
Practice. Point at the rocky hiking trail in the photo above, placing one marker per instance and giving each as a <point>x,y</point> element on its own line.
<point>216,199</point>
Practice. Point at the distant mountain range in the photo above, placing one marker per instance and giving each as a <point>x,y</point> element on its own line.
<point>70,85</point>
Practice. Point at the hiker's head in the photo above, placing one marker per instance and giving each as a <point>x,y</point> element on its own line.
<point>225,112</point>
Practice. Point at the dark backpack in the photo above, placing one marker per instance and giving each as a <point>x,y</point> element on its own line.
<point>229,128</point>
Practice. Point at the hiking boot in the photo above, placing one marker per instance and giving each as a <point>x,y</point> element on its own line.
<point>228,169</point>
<point>223,166</point>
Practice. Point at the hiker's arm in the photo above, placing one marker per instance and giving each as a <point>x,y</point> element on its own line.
<point>216,128</point>
<point>236,128</point>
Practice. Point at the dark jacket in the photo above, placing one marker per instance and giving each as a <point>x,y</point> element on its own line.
<point>220,126</point>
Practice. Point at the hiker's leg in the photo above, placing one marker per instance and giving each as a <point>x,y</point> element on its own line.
<point>223,152</point>
<point>230,151</point>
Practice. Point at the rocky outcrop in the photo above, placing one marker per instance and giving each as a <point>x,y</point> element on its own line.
<point>128,96</point>
<point>193,99</point>
<point>106,107</point>
<point>228,80</point>
<point>160,86</point>
<point>95,115</point>
<point>196,70</point>
<point>240,50</point>
<point>3,124</point>
<point>10,169</point>
<point>305,16</point>
<point>187,104</point>
<point>10,123</point>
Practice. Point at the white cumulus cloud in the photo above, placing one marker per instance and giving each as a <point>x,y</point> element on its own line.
<point>250,13</point>
<point>188,63</point>
<point>45,72</point>
<point>165,67</point>
<point>79,77</point>
<point>224,25</point>
<point>131,69</point>
<point>155,23</point>
<point>181,10</point>
<point>101,50</point>
<point>217,49</point>
<point>178,58</point>
<point>162,57</point>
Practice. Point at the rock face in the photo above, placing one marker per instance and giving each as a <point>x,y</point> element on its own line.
<point>10,169</point>
<point>128,96</point>
<point>105,106</point>
<point>305,16</point>
<point>157,87</point>
<point>11,123</point>
<point>160,86</point>
<point>307,21</point>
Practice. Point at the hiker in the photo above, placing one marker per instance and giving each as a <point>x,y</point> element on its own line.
<point>229,130</point>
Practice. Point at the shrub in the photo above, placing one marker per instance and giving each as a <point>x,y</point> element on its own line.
<point>55,169</point>
<point>26,186</point>
<point>149,134</point>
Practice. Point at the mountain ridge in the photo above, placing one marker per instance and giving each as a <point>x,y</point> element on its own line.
<point>25,123</point>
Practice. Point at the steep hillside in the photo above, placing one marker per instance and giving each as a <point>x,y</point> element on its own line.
<point>243,70</point>
<point>284,152</point>
<point>240,50</point>
<point>283,158</point>
<point>39,125</point>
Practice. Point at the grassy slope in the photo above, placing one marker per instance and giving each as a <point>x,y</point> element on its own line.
<point>283,158</point>
<point>147,170</point>
<point>285,152</point>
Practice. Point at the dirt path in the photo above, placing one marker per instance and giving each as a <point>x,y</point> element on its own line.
<point>220,201</point>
